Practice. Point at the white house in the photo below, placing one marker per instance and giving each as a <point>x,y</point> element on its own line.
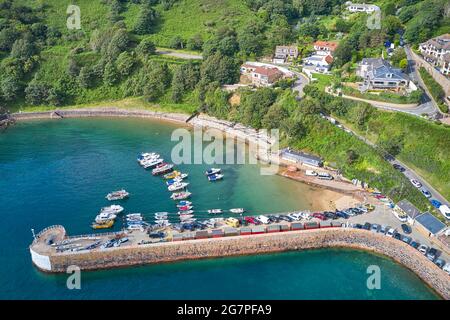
<point>361,7</point>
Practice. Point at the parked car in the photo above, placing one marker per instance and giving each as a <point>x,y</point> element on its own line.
<point>414,244</point>
<point>250,219</point>
<point>366,226</point>
<point>439,262</point>
<point>383,229</point>
<point>406,229</point>
<point>311,173</point>
<point>358,226</point>
<point>399,167</point>
<point>398,236</point>
<point>406,239</point>
<point>416,183</point>
<point>319,216</point>
<point>341,214</point>
<point>391,232</point>
<point>294,216</point>
<point>426,193</point>
<point>285,218</point>
<point>446,268</point>
<point>362,209</point>
<point>431,254</point>
<point>423,249</point>
<point>330,215</point>
<point>375,227</point>
<point>435,203</point>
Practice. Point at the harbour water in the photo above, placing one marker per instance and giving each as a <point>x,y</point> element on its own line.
<point>59,171</point>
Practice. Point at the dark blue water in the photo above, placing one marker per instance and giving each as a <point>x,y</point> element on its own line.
<point>58,172</point>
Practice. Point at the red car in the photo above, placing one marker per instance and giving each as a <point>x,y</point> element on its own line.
<point>319,216</point>
<point>250,220</point>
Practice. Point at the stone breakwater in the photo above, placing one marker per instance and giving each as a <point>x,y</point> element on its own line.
<point>257,244</point>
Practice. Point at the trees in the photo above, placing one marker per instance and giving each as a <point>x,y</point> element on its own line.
<point>255,105</point>
<point>195,43</point>
<point>220,68</point>
<point>9,88</point>
<point>158,81</point>
<point>36,93</point>
<point>185,78</point>
<point>145,48</point>
<point>176,43</point>
<point>343,53</point>
<point>146,21</point>
<point>125,63</point>
<point>110,74</point>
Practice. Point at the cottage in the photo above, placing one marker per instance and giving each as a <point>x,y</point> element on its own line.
<point>325,48</point>
<point>379,74</point>
<point>406,211</point>
<point>284,54</point>
<point>321,62</point>
<point>261,75</point>
<point>429,225</point>
<point>357,7</point>
<point>301,157</point>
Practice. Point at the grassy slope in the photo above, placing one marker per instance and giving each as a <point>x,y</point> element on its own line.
<point>426,145</point>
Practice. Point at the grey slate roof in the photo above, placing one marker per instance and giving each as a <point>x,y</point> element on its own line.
<point>381,69</point>
<point>408,208</point>
<point>431,223</point>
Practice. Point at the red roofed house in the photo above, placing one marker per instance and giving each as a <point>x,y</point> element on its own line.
<point>262,75</point>
<point>325,47</point>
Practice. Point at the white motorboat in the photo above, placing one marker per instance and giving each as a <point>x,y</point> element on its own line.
<point>237,210</point>
<point>117,195</point>
<point>215,177</point>
<point>215,211</point>
<point>103,217</point>
<point>115,208</point>
<point>151,163</point>
<point>186,217</point>
<point>178,186</point>
<point>180,195</point>
<point>185,212</point>
<point>212,171</point>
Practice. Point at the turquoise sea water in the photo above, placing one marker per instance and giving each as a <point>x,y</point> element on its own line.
<point>58,172</point>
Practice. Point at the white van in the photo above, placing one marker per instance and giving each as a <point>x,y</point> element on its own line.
<point>325,176</point>
<point>445,210</point>
<point>311,173</point>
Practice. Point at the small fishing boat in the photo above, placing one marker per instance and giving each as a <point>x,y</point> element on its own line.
<point>215,177</point>
<point>129,219</point>
<point>212,171</point>
<point>215,211</point>
<point>172,175</point>
<point>115,208</point>
<point>185,208</point>
<point>161,215</point>
<point>178,186</point>
<point>104,225</point>
<point>180,195</point>
<point>185,212</point>
<point>162,168</point>
<point>184,203</point>
<point>237,210</point>
<point>147,156</point>
<point>117,195</point>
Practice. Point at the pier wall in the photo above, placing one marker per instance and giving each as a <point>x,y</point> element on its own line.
<point>256,244</point>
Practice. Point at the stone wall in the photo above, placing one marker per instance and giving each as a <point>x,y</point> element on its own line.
<point>439,77</point>
<point>264,243</point>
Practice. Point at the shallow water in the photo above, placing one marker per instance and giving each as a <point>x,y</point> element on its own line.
<point>58,172</point>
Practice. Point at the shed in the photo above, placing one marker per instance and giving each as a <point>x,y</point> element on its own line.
<point>429,224</point>
<point>301,157</point>
<point>273,228</point>
<point>217,233</point>
<point>244,231</point>
<point>406,208</point>
<point>258,229</point>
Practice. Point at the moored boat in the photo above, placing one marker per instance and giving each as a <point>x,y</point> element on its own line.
<point>115,208</point>
<point>237,210</point>
<point>181,213</point>
<point>172,175</point>
<point>215,211</point>
<point>185,208</point>
<point>212,171</point>
<point>215,177</point>
<point>184,203</point>
<point>178,186</point>
<point>103,217</point>
<point>147,164</point>
<point>117,195</point>
<point>105,225</point>
<point>180,195</point>
<point>162,168</point>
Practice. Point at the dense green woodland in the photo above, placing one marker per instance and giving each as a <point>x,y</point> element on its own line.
<point>112,57</point>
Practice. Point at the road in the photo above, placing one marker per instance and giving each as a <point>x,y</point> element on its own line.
<point>427,105</point>
<point>409,173</point>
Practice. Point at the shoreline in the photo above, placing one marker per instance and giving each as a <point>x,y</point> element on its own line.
<point>249,135</point>
<point>267,243</point>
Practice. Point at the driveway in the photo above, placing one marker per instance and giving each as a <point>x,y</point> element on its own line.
<point>180,55</point>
